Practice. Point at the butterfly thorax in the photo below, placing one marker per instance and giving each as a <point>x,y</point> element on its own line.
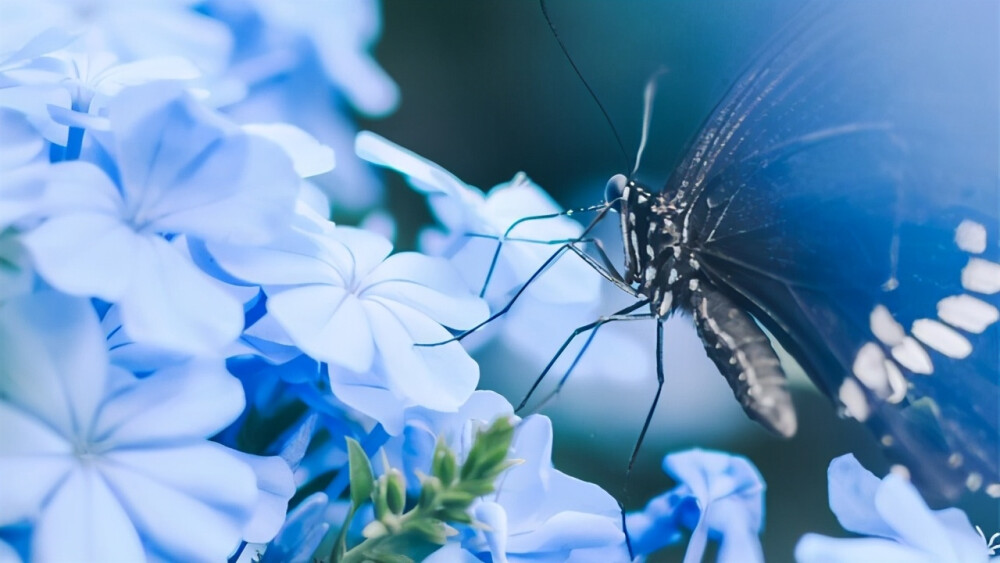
<point>656,258</point>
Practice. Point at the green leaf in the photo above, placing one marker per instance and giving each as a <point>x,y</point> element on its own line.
<point>362,478</point>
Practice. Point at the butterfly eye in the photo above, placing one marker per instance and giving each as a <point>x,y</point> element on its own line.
<point>615,188</point>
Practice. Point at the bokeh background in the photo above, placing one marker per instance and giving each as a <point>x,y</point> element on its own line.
<point>486,93</point>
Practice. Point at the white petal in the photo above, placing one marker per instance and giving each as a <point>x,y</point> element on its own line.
<point>326,322</point>
<point>203,470</point>
<point>275,486</point>
<point>180,527</point>
<point>429,285</point>
<point>193,400</point>
<point>309,156</point>
<point>173,304</point>
<point>54,360</point>
<point>423,174</point>
<point>114,79</point>
<point>85,522</point>
<point>86,254</point>
<point>436,377</point>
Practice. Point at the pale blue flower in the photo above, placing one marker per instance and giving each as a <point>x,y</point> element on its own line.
<point>178,170</point>
<point>66,89</point>
<point>719,496</point>
<point>303,531</point>
<point>896,523</point>
<point>342,34</point>
<point>309,64</point>
<point>464,210</point>
<point>343,300</point>
<point>132,30</point>
<point>105,466</point>
<point>537,512</point>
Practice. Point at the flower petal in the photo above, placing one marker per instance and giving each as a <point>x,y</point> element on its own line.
<point>852,490</point>
<point>86,254</point>
<point>422,174</point>
<point>814,548</point>
<point>370,395</point>
<point>112,80</point>
<point>903,510</point>
<point>326,322</point>
<point>429,285</point>
<point>436,377</point>
<point>202,470</point>
<point>192,400</point>
<point>174,525</point>
<point>495,518</point>
<point>198,174</point>
<point>85,522</point>
<point>54,360</point>
<point>172,304</point>
<point>275,486</point>
<point>567,531</point>
<point>309,156</point>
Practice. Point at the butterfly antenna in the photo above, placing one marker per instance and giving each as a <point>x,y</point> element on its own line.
<point>647,114</point>
<point>552,26</point>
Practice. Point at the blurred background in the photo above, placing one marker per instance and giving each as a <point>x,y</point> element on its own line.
<point>486,93</point>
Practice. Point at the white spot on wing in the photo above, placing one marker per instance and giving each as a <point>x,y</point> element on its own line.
<point>853,397</point>
<point>967,313</point>
<point>912,355</point>
<point>942,338</point>
<point>974,481</point>
<point>896,382</point>
<point>970,236</point>
<point>901,471</point>
<point>672,277</point>
<point>884,327</point>
<point>993,490</point>
<point>981,276</point>
<point>869,368</point>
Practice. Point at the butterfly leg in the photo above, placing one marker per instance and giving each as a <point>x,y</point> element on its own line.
<point>602,210</point>
<point>744,355</point>
<point>656,398</point>
<point>623,315</point>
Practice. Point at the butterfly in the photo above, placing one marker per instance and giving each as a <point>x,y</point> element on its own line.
<point>843,195</point>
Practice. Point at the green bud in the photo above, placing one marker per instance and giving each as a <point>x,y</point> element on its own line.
<point>395,491</point>
<point>380,499</point>
<point>444,466</point>
<point>429,492</point>
<point>457,498</point>
<point>488,450</point>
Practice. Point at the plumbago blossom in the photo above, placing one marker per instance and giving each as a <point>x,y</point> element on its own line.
<point>537,513</point>
<point>718,496</point>
<point>111,467</point>
<point>485,237</point>
<point>896,524</point>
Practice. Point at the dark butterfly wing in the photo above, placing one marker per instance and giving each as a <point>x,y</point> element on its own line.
<point>846,192</point>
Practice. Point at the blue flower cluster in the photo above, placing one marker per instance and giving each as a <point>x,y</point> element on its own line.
<point>188,340</point>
